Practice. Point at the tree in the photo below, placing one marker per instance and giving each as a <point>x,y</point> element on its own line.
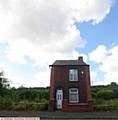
<point>115,93</point>
<point>3,84</point>
<point>113,84</point>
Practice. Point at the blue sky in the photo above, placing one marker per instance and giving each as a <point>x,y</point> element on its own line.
<point>35,33</point>
<point>105,33</point>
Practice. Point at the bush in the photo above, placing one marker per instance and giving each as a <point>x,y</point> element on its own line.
<point>115,93</point>
<point>105,94</point>
<point>26,106</point>
<point>19,107</point>
<point>98,101</point>
<point>5,104</point>
<point>40,106</point>
<point>32,94</point>
<point>102,108</point>
<point>22,105</point>
<point>106,105</point>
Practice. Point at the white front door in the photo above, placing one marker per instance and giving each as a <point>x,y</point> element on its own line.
<point>59,98</point>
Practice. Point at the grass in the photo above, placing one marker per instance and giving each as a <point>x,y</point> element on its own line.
<point>6,104</point>
<point>106,105</point>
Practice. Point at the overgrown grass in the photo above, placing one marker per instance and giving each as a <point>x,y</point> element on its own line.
<point>26,106</point>
<point>106,105</point>
<point>7,104</point>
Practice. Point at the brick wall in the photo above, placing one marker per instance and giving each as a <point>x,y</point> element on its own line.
<point>60,79</point>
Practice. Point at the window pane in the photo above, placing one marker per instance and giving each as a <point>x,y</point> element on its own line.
<point>73,76</point>
<point>73,95</point>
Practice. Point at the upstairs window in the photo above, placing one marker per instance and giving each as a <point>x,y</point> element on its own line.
<point>73,95</point>
<point>73,75</point>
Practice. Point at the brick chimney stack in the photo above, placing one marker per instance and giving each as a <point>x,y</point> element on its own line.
<point>80,59</point>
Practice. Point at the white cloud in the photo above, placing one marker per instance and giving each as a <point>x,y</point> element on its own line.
<point>41,79</point>
<point>44,30</point>
<point>2,67</point>
<point>90,10</point>
<point>38,79</point>
<point>108,62</point>
<point>36,28</point>
<point>99,54</point>
<point>94,78</point>
<point>44,78</point>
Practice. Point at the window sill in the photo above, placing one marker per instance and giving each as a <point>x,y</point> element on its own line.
<point>78,103</point>
<point>73,102</point>
<point>73,80</point>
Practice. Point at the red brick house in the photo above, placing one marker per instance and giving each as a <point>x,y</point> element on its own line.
<point>70,88</point>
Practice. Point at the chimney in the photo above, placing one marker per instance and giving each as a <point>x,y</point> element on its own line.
<point>80,59</point>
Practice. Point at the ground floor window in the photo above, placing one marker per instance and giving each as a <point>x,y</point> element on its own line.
<point>73,95</point>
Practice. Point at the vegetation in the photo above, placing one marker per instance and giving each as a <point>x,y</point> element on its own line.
<point>25,99</point>
<point>22,98</point>
<point>105,98</point>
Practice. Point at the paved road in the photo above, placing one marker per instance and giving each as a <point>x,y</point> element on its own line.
<point>63,115</point>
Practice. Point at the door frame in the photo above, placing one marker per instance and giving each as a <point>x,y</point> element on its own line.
<point>59,97</point>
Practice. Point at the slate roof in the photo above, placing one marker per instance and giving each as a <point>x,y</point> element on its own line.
<point>68,62</point>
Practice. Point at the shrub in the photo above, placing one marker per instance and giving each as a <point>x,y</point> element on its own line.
<point>105,94</point>
<point>107,105</point>
<point>5,104</point>
<point>115,93</point>
<point>40,106</point>
<point>19,107</point>
<point>98,101</point>
<point>102,108</point>
<point>26,106</point>
<point>22,105</point>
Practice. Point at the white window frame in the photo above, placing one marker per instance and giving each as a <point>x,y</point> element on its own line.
<point>73,92</point>
<point>73,75</point>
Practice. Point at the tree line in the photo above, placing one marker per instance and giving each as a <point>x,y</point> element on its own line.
<point>105,91</point>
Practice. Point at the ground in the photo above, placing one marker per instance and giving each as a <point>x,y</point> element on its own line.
<point>63,115</point>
